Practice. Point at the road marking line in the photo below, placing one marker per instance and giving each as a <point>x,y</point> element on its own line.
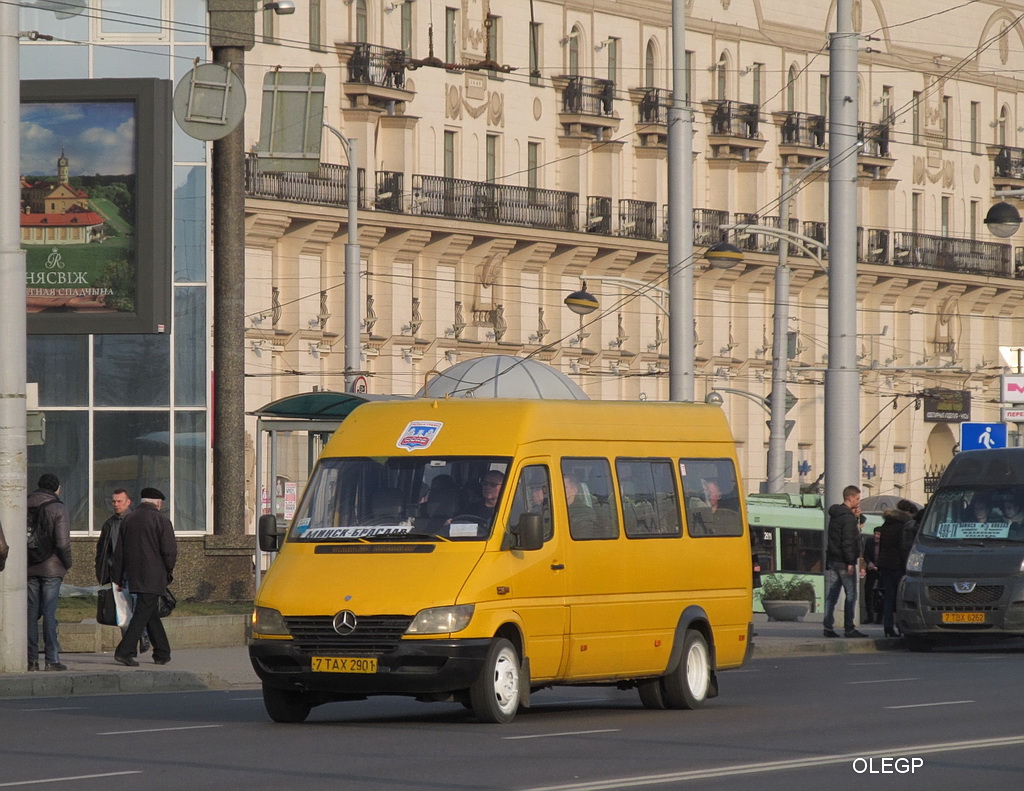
<point>258,697</point>
<point>58,708</point>
<point>564,733</point>
<point>158,730</point>
<point>66,779</point>
<point>775,766</point>
<point>924,705</point>
<point>882,681</point>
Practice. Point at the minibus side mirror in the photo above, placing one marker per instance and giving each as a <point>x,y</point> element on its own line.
<point>530,532</point>
<point>268,534</point>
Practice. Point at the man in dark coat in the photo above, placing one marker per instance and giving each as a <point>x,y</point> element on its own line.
<point>841,558</point>
<point>145,558</point>
<point>45,577</point>
<point>110,535</point>
<point>892,562</point>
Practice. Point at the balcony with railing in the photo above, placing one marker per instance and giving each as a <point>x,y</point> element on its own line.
<point>328,186</point>
<point>507,204</point>
<point>588,104</point>
<point>1008,166</point>
<point>390,195</point>
<point>735,129</point>
<point>638,219</point>
<point>874,158</point>
<point>707,226</point>
<point>599,215</point>
<point>651,115</point>
<point>952,255</point>
<point>376,75</point>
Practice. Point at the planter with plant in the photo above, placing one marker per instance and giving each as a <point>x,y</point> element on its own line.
<point>786,599</point>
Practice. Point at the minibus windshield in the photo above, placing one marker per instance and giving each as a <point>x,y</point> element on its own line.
<point>401,498</point>
<point>985,514</point>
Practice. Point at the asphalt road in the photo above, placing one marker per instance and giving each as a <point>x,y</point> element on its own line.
<point>945,720</point>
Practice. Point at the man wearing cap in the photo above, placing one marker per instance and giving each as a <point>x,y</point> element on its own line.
<point>45,577</point>
<point>145,558</point>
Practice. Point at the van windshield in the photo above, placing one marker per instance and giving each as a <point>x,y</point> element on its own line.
<point>976,514</point>
<point>401,498</point>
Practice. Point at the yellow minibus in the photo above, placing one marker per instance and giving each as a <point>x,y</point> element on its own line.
<point>478,551</point>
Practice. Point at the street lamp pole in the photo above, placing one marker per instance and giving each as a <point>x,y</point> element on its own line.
<point>680,225</point>
<point>353,352</point>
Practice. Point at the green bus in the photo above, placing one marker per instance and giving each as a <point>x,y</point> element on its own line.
<point>786,533</point>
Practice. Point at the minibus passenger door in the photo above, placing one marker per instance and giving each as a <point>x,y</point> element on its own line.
<point>536,577</point>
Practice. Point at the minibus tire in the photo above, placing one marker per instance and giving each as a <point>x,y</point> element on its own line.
<point>286,705</point>
<point>652,693</point>
<point>495,694</point>
<point>687,686</point>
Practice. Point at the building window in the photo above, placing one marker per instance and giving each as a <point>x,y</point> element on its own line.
<point>689,66</point>
<point>973,229</point>
<point>791,89</point>
<point>450,47</point>
<point>649,70</point>
<point>407,27</point>
<point>574,51</point>
<point>491,165</point>
<point>915,129</point>
<point>362,21</point>
<point>975,118</point>
<point>269,26</point>
<point>915,212</point>
<point>494,38</point>
<point>886,107</point>
<point>535,53</point>
<point>757,74</point>
<point>721,74</point>
<point>449,153</point>
<point>125,19</point>
<point>947,119</point>
<point>532,165</point>
<point>1004,114</point>
<point>945,207</point>
<point>823,95</point>
<point>316,28</point>
<point>613,59</point>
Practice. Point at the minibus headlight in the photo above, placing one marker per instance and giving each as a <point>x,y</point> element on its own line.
<point>441,620</point>
<point>266,621</point>
<point>915,561</point>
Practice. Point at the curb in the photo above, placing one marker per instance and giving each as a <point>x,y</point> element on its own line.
<point>64,684</point>
<point>776,647</point>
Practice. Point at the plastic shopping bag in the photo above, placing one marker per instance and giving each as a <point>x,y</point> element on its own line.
<point>123,603</point>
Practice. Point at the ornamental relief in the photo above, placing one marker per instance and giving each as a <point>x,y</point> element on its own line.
<point>928,173</point>
<point>456,104</point>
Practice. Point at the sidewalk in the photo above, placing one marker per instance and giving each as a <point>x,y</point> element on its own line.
<point>229,668</point>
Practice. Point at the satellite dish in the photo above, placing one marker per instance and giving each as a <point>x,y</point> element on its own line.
<point>209,101</point>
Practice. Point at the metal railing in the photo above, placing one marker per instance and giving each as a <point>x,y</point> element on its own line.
<point>599,215</point>
<point>652,106</point>
<point>875,138</point>
<point>952,255</point>
<point>499,203</point>
<point>1009,163</point>
<point>389,195</point>
<point>751,242</point>
<point>327,187</point>
<point>707,226</point>
<point>638,219</point>
<point>588,96</point>
<point>803,129</point>
<point>877,251</point>
<point>371,64</point>
<point>735,119</point>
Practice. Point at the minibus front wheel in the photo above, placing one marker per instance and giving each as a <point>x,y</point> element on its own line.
<point>286,705</point>
<point>687,686</point>
<point>494,696</point>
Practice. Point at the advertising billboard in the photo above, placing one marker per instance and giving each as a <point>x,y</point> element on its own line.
<point>96,205</point>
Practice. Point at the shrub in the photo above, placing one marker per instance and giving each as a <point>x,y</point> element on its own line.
<point>777,588</point>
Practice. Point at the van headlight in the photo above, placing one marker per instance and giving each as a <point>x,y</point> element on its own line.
<point>266,621</point>
<point>915,561</point>
<point>441,620</point>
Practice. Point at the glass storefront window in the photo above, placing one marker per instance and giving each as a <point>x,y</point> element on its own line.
<point>66,455</point>
<point>131,370</point>
<point>53,63</point>
<point>190,346</point>
<point>190,443</point>
<point>190,20</point>
<point>190,224</point>
<point>131,450</point>
<point>59,364</point>
<point>138,61</point>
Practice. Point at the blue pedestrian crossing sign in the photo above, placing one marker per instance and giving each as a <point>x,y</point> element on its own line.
<point>982,436</point>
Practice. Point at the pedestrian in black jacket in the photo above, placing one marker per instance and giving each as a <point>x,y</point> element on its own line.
<point>110,535</point>
<point>842,557</point>
<point>892,563</point>
<point>145,558</point>
<point>46,576</point>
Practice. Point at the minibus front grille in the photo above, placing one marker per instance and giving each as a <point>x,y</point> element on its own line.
<point>373,634</point>
<point>947,595</point>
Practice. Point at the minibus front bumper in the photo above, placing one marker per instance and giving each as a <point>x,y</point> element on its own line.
<point>412,667</point>
<point>930,607</point>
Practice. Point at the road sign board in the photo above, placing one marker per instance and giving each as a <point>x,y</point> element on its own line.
<point>1013,414</point>
<point>1012,386</point>
<point>982,436</point>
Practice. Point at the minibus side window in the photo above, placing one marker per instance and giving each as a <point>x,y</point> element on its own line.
<point>590,499</point>
<point>650,506</point>
<point>712,497</point>
<point>532,496</point>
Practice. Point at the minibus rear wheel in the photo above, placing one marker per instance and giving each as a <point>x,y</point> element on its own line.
<point>285,705</point>
<point>495,695</point>
<point>687,686</point>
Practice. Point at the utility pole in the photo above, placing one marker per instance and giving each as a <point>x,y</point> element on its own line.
<point>680,223</point>
<point>13,453</point>
<point>842,381</point>
<point>780,353</point>
<point>232,32</point>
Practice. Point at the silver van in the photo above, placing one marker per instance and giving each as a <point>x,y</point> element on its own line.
<point>965,571</point>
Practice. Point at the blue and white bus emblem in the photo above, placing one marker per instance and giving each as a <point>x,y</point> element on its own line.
<point>419,434</point>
